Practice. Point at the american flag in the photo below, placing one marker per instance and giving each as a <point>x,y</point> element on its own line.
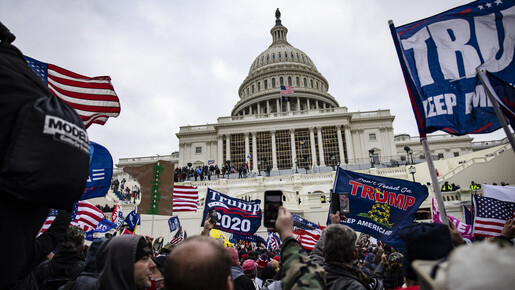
<point>273,242</point>
<point>185,198</point>
<point>85,215</point>
<point>94,99</point>
<point>49,220</point>
<point>491,215</point>
<point>308,242</point>
<point>308,238</point>
<point>178,237</point>
<point>286,90</point>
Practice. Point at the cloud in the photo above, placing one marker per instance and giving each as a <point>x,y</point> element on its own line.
<point>175,63</point>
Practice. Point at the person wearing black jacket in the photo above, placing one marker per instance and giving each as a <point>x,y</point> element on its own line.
<point>42,246</point>
<point>67,263</point>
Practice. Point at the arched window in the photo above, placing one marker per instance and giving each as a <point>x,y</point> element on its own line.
<point>298,57</point>
<point>267,57</point>
<point>266,84</point>
<point>281,81</point>
<point>285,55</point>
<point>273,56</point>
<point>305,83</point>
<point>248,91</point>
<point>273,82</point>
<point>292,55</point>
<point>317,85</point>
<point>289,81</point>
<point>279,55</point>
<point>259,86</point>
<point>311,83</point>
<point>297,81</point>
<point>252,88</point>
<point>262,59</point>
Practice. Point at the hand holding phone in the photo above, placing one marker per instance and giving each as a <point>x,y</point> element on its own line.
<point>213,216</point>
<point>340,202</point>
<point>273,200</point>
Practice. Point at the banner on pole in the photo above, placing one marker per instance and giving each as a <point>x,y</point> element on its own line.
<point>235,215</point>
<point>439,56</point>
<point>379,206</point>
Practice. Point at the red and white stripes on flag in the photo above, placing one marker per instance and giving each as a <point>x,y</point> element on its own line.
<point>185,198</point>
<point>49,220</point>
<point>307,238</point>
<point>94,99</point>
<point>178,237</point>
<point>87,216</point>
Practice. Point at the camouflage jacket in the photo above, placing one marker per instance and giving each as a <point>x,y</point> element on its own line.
<point>299,271</point>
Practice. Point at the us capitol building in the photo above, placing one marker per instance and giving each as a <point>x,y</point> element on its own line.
<point>304,129</point>
<point>302,136</point>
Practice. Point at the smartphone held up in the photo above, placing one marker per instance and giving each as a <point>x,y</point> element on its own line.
<point>273,200</point>
<point>340,202</point>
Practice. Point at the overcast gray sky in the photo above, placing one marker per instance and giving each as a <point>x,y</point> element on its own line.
<point>177,63</point>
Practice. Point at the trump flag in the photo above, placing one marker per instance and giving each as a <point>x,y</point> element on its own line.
<point>236,216</point>
<point>100,172</point>
<point>439,56</point>
<point>379,206</point>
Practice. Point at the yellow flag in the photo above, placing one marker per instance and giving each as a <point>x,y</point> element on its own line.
<point>217,234</point>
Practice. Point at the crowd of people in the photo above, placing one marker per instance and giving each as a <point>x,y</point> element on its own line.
<point>339,260</point>
<point>206,172</point>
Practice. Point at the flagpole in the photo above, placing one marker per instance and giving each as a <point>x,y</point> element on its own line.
<point>434,179</point>
<point>492,96</point>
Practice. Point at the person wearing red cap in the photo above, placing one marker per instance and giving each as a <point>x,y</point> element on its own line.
<point>250,270</point>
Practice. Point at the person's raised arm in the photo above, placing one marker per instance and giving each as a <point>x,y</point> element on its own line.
<point>299,270</point>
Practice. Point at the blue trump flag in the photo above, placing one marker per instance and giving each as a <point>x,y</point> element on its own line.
<point>439,56</point>
<point>236,216</point>
<point>133,219</point>
<point>102,227</point>
<point>100,172</point>
<point>174,223</point>
<point>379,206</point>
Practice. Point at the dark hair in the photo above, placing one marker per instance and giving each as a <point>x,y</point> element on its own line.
<point>339,243</point>
<point>199,262</point>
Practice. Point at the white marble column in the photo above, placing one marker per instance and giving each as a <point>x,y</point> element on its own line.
<point>321,147</point>
<point>247,148</point>
<point>254,153</point>
<point>227,147</point>
<point>313,147</point>
<point>182,155</point>
<point>350,145</point>
<point>307,104</point>
<point>274,150</point>
<point>364,151</point>
<point>279,109</point>
<point>293,148</point>
<point>208,150</point>
<point>268,107</point>
<point>220,151</point>
<point>298,105</point>
<point>340,143</point>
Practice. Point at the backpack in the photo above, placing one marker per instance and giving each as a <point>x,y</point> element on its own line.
<point>51,281</point>
<point>44,149</point>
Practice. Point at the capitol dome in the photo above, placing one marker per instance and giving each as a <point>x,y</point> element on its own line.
<point>281,64</point>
